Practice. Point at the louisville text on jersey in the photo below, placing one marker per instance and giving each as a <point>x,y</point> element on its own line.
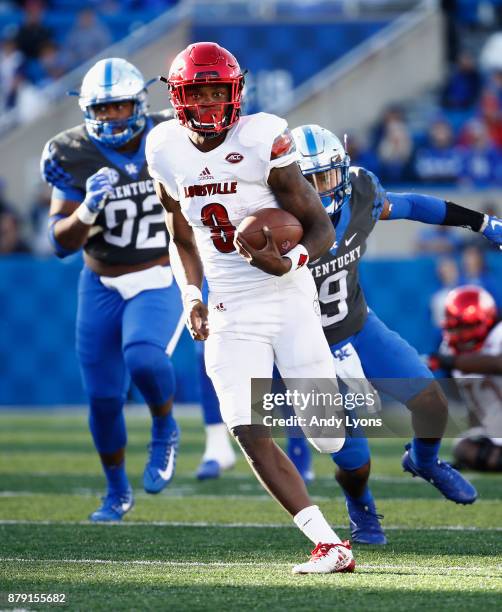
<point>225,188</point>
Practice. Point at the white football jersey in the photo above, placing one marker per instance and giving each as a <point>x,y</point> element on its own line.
<point>483,394</point>
<point>217,189</point>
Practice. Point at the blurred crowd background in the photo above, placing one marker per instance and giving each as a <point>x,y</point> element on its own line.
<point>444,139</point>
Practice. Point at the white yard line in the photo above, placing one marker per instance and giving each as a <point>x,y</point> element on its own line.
<point>325,480</point>
<point>184,494</point>
<point>363,566</point>
<point>190,493</point>
<point>206,524</point>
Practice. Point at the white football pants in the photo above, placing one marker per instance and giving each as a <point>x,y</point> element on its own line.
<point>250,330</point>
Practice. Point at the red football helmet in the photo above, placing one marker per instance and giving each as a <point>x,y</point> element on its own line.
<point>470,313</point>
<point>205,63</point>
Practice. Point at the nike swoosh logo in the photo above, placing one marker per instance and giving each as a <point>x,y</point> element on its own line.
<point>347,242</point>
<point>168,472</point>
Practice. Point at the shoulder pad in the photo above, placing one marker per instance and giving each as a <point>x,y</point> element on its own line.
<point>261,129</point>
<point>71,144</point>
<point>65,156</point>
<point>163,133</point>
<point>160,142</point>
<point>52,163</point>
<point>493,342</point>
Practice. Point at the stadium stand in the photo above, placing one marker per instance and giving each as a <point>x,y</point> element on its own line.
<point>439,134</point>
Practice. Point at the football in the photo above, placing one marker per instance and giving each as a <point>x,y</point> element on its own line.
<point>287,231</point>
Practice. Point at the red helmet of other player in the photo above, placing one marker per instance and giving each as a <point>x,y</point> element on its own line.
<point>470,313</point>
<point>205,64</point>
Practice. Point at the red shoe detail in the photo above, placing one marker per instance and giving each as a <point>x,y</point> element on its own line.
<point>323,549</point>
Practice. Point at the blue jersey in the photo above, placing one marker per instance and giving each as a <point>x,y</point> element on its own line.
<point>343,306</point>
<point>131,228</point>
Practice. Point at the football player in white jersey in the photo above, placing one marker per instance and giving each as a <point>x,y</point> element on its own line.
<point>212,168</point>
<point>472,350</point>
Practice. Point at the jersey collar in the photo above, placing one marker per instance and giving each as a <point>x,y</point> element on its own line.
<point>341,226</point>
<point>131,164</point>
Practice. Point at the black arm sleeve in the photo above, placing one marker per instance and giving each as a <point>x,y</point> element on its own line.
<point>463,217</point>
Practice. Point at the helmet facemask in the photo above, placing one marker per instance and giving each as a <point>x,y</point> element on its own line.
<point>111,81</point>
<point>470,313</point>
<point>325,164</point>
<point>209,119</point>
<point>205,63</point>
<point>332,183</point>
<point>118,132</point>
<point>465,338</point>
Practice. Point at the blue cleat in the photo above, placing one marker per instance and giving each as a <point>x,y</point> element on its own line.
<point>300,455</point>
<point>365,523</point>
<point>114,506</point>
<point>208,470</point>
<point>159,470</point>
<point>441,475</point>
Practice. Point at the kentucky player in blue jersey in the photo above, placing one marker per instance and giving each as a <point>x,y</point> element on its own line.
<point>361,344</point>
<point>129,310</point>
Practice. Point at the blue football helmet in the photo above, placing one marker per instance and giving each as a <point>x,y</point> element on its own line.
<point>325,164</point>
<point>113,80</point>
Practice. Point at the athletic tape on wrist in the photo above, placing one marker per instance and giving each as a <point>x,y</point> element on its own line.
<point>191,293</point>
<point>85,215</point>
<point>299,257</point>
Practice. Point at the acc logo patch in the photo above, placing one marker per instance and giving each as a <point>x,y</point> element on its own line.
<point>234,158</point>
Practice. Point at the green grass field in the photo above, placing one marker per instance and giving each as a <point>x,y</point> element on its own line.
<point>225,545</point>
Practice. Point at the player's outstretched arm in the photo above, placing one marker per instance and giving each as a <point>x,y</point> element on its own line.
<point>186,263</point>
<point>297,196</point>
<point>468,363</point>
<point>429,209</point>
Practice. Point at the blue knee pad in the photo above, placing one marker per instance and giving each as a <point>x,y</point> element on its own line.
<point>354,454</point>
<point>107,424</point>
<point>152,372</point>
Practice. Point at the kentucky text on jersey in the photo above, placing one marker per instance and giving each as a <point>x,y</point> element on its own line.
<point>336,263</point>
<point>133,189</point>
<point>211,189</point>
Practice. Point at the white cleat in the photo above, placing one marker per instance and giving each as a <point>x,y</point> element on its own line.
<point>219,455</point>
<point>211,469</point>
<point>328,559</point>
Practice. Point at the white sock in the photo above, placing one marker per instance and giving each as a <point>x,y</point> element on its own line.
<point>218,445</point>
<point>313,524</point>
